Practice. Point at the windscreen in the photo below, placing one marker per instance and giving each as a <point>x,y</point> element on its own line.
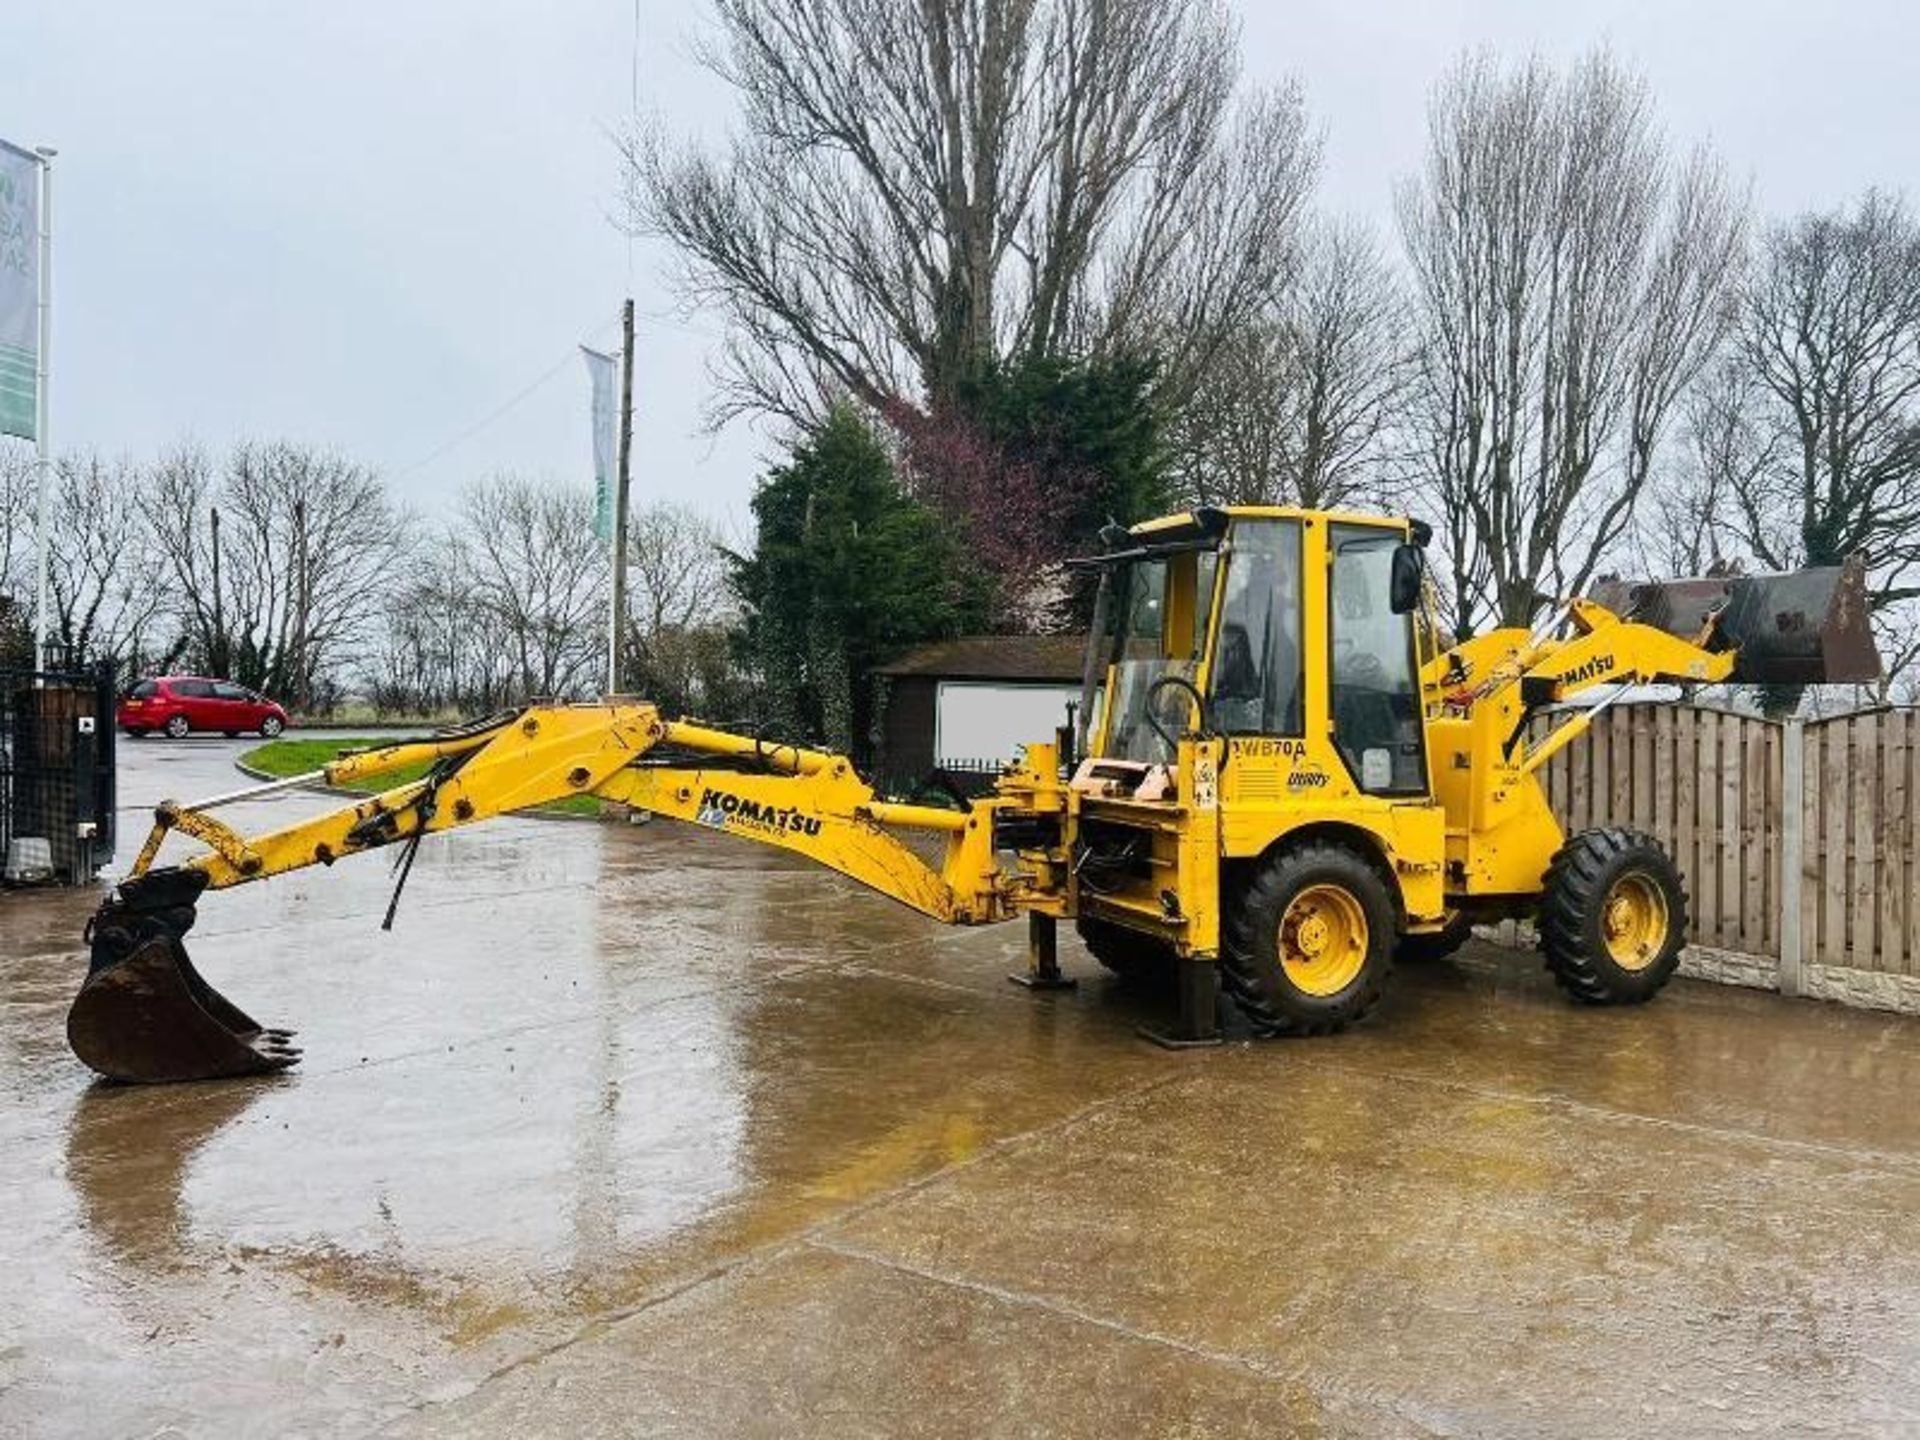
<point>1258,682</point>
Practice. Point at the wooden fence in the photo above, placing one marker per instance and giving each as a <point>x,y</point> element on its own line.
<point>1798,839</point>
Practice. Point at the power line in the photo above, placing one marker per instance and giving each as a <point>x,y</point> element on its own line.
<point>492,415</point>
<point>633,116</point>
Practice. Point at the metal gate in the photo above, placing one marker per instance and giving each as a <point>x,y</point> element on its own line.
<point>56,772</point>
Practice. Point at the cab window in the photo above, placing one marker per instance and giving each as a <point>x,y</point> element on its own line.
<point>1375,684</point>
<point>1160,609</point>
<point>1257,661</point>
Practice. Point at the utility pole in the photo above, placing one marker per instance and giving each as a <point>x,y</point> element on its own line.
<point>618,635</point>
<point>299,676</point>
<point>217,642</point>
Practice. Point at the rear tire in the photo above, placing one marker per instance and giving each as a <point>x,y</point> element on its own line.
<point>1613,917</point>
<point>1435,946</point>
<point>177,727</point>
<point>1130,954</point>
<point>1309,941</point>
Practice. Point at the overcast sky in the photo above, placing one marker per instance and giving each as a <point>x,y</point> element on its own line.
<point>374,225</point>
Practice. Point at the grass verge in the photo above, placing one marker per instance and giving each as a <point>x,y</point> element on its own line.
<point>282,758</point>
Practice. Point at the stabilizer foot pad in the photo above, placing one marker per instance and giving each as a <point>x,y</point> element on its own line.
<point>1045,982</point>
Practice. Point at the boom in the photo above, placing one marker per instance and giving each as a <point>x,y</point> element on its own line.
<point>808,801</point>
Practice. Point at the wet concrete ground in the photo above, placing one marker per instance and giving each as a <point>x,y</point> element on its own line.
<point>642,1131</point>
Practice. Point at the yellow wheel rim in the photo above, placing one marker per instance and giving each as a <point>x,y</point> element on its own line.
<point>1633,921</point>
<point>1323,940</point>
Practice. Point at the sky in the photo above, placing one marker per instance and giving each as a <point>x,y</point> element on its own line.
<point>385,227</point>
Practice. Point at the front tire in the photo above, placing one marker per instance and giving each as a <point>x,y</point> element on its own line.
<point>271,727</point>
<point>1130,954</point>
<point>177,727</point>
<point>1613,917</point>
<point>1309,941</point>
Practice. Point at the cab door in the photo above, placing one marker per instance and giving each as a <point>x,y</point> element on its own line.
<point>1374,700</point>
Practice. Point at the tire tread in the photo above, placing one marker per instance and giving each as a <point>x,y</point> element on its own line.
<point>1263,895</point>
<point>1575,885</point>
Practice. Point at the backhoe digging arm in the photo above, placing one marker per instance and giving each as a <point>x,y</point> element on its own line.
<point>146,1014</point>
<point>541,755</point>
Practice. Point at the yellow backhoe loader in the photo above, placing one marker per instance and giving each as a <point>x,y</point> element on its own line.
<point>1279,779</point>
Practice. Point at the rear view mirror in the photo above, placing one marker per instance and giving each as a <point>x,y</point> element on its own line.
<point>1403,586</point>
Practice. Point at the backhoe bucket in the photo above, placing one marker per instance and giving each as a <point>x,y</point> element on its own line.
<point>1805,627</point>
<point>145,1015</point>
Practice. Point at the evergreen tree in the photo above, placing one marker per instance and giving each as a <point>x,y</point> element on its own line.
<point>846,573</point>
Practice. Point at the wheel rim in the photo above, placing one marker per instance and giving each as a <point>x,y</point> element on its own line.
<point>1323,940</point>
<point>176,726</point>
<point>1633,921</point>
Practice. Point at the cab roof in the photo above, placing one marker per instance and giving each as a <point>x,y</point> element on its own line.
<point>1213,519</point>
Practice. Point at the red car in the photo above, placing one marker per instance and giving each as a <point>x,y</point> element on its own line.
<point>180,703</point>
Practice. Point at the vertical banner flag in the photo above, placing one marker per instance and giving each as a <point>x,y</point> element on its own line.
<point>604,371</point>
<point>19,290</point>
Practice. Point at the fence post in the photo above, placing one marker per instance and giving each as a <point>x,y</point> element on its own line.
<point>1793,822</point>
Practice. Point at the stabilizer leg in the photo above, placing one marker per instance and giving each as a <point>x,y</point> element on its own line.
<point>1199,1024</point>
<point>1043,956</point>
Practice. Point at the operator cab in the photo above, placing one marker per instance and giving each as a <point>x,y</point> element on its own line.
<point>1209,622</point>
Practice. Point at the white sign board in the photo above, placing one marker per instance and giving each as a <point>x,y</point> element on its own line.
<point>980,720</point>
<point>19,291</point>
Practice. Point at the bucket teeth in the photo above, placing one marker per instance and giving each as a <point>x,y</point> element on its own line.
<point>144,1014</point>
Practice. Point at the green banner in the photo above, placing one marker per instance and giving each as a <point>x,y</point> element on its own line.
<point>19,292</point>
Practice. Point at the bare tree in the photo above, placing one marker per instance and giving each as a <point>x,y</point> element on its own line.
<point>1821,458</point>
<point>1831,331</point>
<point>1294,408</point>
<point>441,649</point>
<point>18,494</point>
<point>679,609</point>
<point>539,575</point>
<point>279,563</point>
<point>180,501</point>
<point>917,188</point>
<point>1572,280</point>
<point>1689,521</point>
<point>102,598</point>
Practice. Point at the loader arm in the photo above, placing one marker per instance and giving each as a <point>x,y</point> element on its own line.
<point>146,1014</point>
<point>1481,694</point>
<point>1581,648</point>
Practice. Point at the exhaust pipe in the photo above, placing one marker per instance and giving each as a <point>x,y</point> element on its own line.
<point>1803,627</point>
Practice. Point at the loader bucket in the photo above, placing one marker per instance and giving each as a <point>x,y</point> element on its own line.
<point>1804,627</point>
<point>144,1015</point>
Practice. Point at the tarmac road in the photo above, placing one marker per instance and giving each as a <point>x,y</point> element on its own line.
<point>634,1131</point>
